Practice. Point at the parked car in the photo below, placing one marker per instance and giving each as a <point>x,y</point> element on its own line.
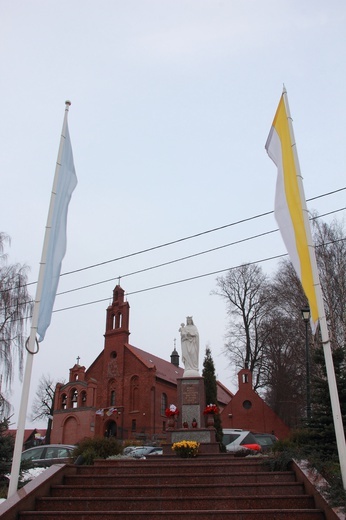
<point>236,440</point>
<point>266,440</point>
<point>48,454</point>
<point>144,451</point>
<point>128,449</point>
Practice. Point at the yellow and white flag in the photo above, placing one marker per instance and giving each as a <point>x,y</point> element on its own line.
<point>290,206</point>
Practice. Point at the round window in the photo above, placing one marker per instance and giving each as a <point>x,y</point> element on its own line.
<point>247,405</point>
<point>113,354</point>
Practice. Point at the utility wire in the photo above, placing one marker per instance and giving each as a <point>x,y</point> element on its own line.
<point>184,239</point>
<point>169,262</point>
<point>248,219</point>
<point>187,279</point>
<point>242,221</point>
<point>204,275</point>
<point>175,261</point>
<point>185,257</point>
<point>183,280</point>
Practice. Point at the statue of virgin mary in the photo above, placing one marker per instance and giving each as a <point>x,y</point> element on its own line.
<point>189,347</point>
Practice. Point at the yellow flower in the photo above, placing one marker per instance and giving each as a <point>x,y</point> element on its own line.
<point>186,448</point>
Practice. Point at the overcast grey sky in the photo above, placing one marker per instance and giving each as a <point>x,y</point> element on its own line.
<point>172,103</point>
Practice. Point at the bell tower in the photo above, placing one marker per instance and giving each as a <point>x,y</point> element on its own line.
<point>116,337</point>
<point>118,313</point>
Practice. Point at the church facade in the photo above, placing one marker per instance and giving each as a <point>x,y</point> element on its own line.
<point>125,391</point>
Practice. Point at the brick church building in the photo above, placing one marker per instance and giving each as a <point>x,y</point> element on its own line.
<point>125,391</point>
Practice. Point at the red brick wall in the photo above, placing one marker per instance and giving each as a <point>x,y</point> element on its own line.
<point>248,411</point>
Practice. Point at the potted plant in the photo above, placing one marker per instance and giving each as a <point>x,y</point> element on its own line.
<point>186,449</point>
<point>209,411</point>
<point>172,412</point>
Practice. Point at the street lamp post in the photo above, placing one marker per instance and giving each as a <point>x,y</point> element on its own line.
<point>306,317</point>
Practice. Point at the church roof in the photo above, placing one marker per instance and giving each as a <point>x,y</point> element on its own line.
<point>223,394</point>
<point>168,372</point>
<point>164,369</point>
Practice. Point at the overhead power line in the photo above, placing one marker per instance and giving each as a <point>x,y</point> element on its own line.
<point>159,246</point>
<point>167,284</point>
<point>184,239</point>
<point>170,262</point>
<point>241,221</point>
<point>183,280</point>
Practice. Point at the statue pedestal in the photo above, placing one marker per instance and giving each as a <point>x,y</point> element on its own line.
<point>191,401</point>
<point>191,404</point>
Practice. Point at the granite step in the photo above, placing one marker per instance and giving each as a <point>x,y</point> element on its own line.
<point>217,488</point>
<point>178,490</point>
<point>162,478</point>
<point>185,466</point>
<point>186,503</point>
<point>208,514</point>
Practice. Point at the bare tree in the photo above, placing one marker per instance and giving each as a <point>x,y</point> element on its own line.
<point>283,368</point>
<point>246,292</point>
<point>42,406</point>
<point>330,243</point>
<point>285,356</point>
<point>15,309</point>
<point>266,331</point>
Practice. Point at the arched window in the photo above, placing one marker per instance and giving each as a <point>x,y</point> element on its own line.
<point>74,398</point>
<point>63,401</point>
<point>112,398</point>
<point>164,404</point>
<point>134,393</point>
<point>83,398</point>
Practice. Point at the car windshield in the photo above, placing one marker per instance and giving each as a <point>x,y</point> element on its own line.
<point>35,453</point>
<point>249,439</point>
<point>229,437</point>
<point>56,453</point>
<point>265,440</point>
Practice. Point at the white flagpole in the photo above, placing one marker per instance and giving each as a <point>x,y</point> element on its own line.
<point>32,338</point>
<point>333,390</point>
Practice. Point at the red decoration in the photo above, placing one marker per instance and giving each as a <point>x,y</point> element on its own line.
<point>172,411</point>
<point>211,409</point>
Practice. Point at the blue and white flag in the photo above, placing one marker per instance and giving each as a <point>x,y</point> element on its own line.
<point>56,248</point>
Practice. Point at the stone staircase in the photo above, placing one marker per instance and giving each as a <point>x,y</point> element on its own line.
<point>164,487</point>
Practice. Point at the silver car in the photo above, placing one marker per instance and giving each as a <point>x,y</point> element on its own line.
<point>48,454</point>
<point>145,451</point>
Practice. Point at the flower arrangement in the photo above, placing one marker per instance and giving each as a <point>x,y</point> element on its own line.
<point>211,408</point>
<point>186,449</point>
<point>172,411</point>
